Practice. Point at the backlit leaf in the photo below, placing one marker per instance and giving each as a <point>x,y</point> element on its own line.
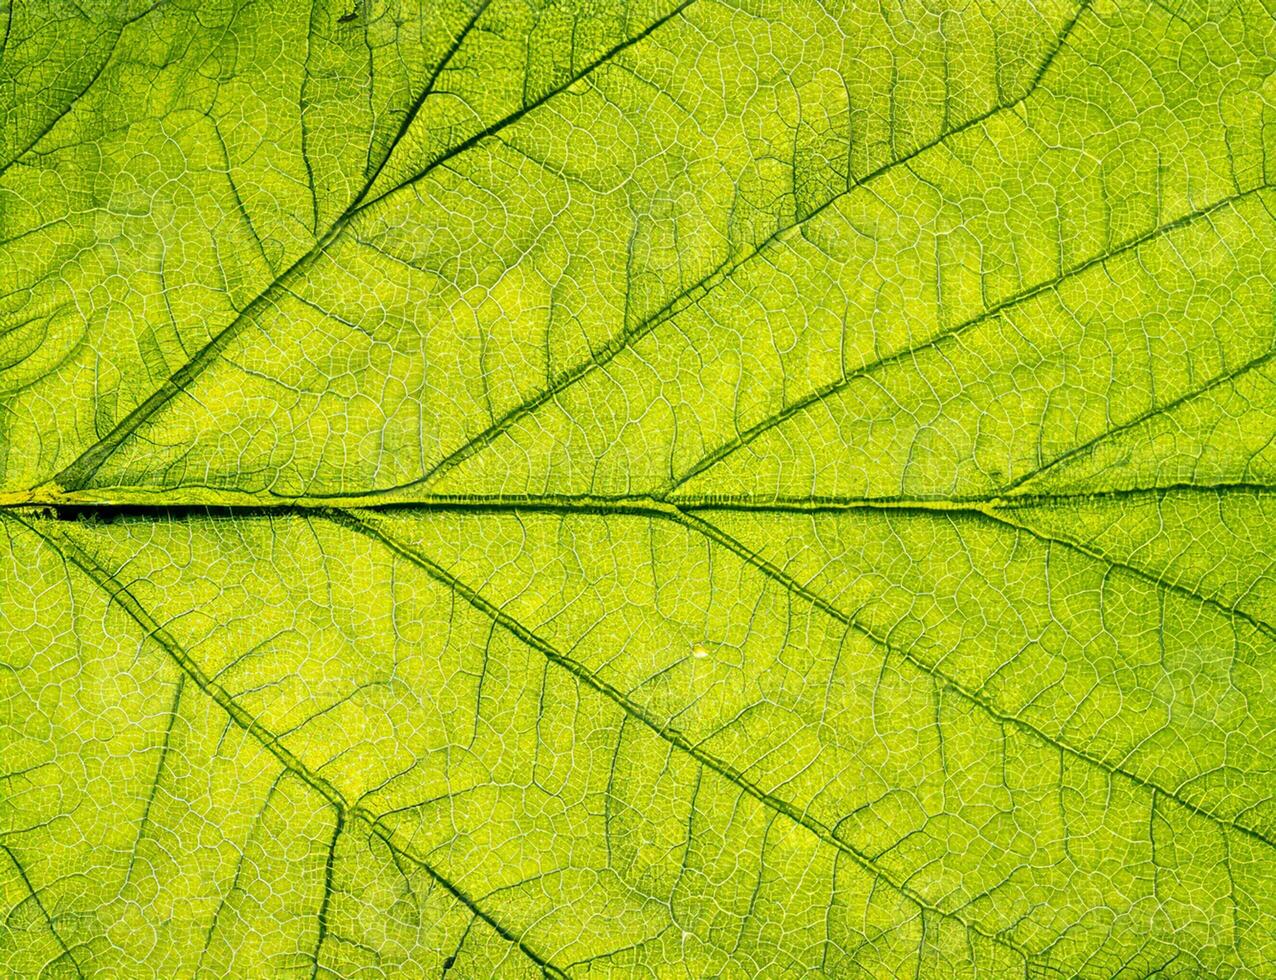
<point>673,489</point>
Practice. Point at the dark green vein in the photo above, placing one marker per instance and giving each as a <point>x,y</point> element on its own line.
<point>216,503</point>
<point>165,745</point>
<point>230,894</point>
<point>426,90</point>
<point>48,919</point>
<point>694,293</point>
<point>81,471</point>
<point>527,107</point>
<point>832,388</point>
<point>782,578</point>
<point>1165,408</point>
<point>57,117</point>
<point>74,553</point>
<point>302,105</point>
<point>8,28</point>
<point>710,762</point>
<point>329,870</point>
<point>820,503</point>
<point>1137,571</point>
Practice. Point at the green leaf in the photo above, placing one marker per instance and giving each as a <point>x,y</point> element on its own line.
<point>651,489</point>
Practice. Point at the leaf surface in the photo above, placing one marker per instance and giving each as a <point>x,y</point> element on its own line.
<point>645,489</point>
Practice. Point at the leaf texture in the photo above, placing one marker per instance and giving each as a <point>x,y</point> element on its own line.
<point>660,489</point>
